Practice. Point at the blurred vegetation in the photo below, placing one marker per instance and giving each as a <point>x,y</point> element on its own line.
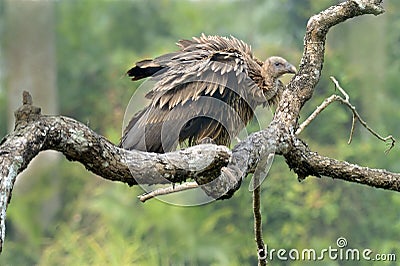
<point>96,222</point>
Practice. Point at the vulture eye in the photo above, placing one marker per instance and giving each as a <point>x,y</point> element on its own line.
<point>277,64</point>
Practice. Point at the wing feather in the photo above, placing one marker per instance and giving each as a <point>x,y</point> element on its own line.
<point>204,66</point>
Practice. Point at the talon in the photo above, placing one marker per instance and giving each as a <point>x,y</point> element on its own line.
<point>206,140</point>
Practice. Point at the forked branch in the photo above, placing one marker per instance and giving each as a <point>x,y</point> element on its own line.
<point>356,116</point>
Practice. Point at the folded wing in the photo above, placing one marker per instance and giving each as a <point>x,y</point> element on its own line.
<point>208,89</point>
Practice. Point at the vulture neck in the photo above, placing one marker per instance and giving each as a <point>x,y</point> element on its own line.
<point>271,85</point>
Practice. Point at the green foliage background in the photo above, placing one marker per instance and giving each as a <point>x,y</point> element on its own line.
<point>96,222</point>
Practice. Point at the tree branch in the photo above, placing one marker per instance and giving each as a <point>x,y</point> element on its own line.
<point>317,111</point>
<point>261,252</point>
<point>305,162</point>
<point>79,143</point>
<point>356,116</point>
<point>168,190</point>
<point>35,132</point>
<point>279,135</point>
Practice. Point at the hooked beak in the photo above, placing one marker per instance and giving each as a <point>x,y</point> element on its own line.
<point>291,69</point>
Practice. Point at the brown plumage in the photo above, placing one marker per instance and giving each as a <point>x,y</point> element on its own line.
<point>207,90</point>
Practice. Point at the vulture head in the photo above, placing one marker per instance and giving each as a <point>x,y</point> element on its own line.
<point>276,66</point>
<point>272,69</point>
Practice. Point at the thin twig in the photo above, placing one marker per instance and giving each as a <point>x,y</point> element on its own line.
<point>338,87</point>
<point>353,126</point>
<point>261,252</point>
<point>356,116</point>
<point>317,111</point>
<point>167,190</point>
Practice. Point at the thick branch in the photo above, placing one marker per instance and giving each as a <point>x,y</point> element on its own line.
<point>302,86</point>
<point>278,136</point>
<point>305,162</point>
<point>79,143</point>
<point>35,133</point>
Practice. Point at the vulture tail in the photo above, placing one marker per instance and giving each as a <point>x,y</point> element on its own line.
<point>144,69</point>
